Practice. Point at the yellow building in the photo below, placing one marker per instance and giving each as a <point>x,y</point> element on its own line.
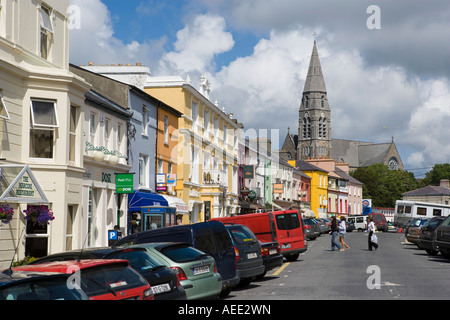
<point>319,186</point>
<point>207,172</point>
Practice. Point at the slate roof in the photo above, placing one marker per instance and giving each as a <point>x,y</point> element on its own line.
<point>429,191</point>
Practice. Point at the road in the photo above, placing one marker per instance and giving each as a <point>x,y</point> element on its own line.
<point>397,270</point>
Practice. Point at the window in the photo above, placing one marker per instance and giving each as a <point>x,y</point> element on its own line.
<point>306,102</point>
<point>44,120</point>
<point>144,119</point>
<point>4,114</point>
<point>195,172</point>
<point>92,127</point>
<point>166,130</point>
<point>421,211</point>
<point>46,31</point>
<point>69,227</point>
<point>72,132</point>
<point>437,212</point>
<point>195,112</point>
<point>143,163</point>
<point>206,120</point>
<point>107,133</point>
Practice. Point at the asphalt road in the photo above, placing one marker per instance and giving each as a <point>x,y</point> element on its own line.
<point>396,271</point>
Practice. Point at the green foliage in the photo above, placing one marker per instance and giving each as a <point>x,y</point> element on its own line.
<point>384,186</point>
<point>433,177</point>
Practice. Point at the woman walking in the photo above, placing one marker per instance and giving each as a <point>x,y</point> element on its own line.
<point>342,232</point>
<point>371,229</point>
<point>334,232</point>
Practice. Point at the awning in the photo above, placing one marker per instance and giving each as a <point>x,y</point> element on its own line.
<point>274,205</point>
<point>141,199</point>
<point>19,185</point>
<point>307,213</point>
<point>180,205</point>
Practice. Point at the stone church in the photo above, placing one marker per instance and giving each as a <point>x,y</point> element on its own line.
<point>314,139</point>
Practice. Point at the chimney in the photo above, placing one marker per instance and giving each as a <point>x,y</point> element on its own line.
<point>445,183</point>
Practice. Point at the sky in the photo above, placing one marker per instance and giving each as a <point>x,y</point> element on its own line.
<point>386,63</point>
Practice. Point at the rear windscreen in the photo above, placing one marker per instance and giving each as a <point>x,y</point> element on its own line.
<point>242,235</point>
<point>287,221</point>
<point>182,253</point>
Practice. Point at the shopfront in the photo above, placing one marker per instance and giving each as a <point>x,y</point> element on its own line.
<point>24,214</point>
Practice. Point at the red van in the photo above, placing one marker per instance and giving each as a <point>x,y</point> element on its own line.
<point>284,226</point>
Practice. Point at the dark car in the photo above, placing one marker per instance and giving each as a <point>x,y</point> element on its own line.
<point>443,237</point>
<point>248,253</point>
<point>427,238</point>
<point>322,225</point>
<point>272,257</point>
<point>164,281</point>
<point>350,226</point>
<point>37,285</point>
<point>211,237</point>
<point>310,228</point>
<point>414,230</point>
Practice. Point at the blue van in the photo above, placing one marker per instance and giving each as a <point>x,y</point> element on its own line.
<point>210,237</point>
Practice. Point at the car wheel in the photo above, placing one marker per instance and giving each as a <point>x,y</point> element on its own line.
<point>431,252</point>
<point>292,257</point>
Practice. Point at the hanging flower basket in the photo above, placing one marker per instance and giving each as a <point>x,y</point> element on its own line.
<point>6,213</point>
<point>40,215</point>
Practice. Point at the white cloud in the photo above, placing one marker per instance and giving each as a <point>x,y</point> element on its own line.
<point>197,45</point>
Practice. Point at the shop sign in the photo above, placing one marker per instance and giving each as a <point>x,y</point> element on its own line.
<point>249,172</point>
<point>172,179</point>
<point>278,188</point>
<point>124,182</point>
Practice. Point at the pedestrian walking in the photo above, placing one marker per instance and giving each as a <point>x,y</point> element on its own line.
<point>334,233</point>
<point>342,232</point>
<point>372,236</point>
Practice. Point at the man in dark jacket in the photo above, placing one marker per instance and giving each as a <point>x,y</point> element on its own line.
<point>334,233</point>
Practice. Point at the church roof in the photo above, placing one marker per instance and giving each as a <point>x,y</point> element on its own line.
<point>314,80</point>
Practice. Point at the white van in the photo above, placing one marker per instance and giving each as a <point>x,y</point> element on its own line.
<point>360,222</point>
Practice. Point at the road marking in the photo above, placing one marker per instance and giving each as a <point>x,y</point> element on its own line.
<point>281,269</point>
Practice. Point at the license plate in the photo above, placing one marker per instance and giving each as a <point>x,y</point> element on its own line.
<point>201,270</point>
<point>272,251</point>
<point>252,255</point>
<point>285,246</point>
<point>161,288</point>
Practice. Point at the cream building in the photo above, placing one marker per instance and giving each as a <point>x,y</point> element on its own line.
<point>207,149</point>
<point>41,124</point>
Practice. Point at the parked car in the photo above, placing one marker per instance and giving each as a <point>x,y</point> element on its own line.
<point>414,230</point>
<point>328,223</point>
<point>322,225</point>
<point>411,223</point>
<point>284,226</point>
<point>443,237</point>
<point>350,226</point>
<point>248,253</point>
<point>427,238</point>
<point>272,257</point>
<point>311,228</point>
<point>380,221</point>
<point>100,279</point>
<point>163,280</point>
<point>210,237</point>
<point>196,270</point>
<point>360,222</point>
<point>37,285</point>
<point>392,227</point>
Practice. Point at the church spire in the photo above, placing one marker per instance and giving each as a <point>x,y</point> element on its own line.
<point>314,80</point>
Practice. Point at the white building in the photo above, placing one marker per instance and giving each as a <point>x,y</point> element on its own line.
<point>41,124</point>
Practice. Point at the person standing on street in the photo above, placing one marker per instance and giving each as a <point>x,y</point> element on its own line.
<point>371,230</point>
<point>342,232</point>
<point>334,232</point>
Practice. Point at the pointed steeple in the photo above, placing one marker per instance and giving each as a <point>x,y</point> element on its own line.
<point>314,80</point>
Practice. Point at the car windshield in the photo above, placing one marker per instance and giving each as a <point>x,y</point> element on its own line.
<point>109,279</point>
<point>139,260</point>
<point>49,288</point>
<point>242,235</point>
<point>183,253</point>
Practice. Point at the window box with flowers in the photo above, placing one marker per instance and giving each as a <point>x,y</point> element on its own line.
<point>38,215</point>
<point>6,213</point>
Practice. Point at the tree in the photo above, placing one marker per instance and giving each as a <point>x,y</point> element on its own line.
<point>384,186</point>
<point>434,177</point>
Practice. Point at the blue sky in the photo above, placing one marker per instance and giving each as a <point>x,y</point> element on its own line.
<point>382,83</point>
